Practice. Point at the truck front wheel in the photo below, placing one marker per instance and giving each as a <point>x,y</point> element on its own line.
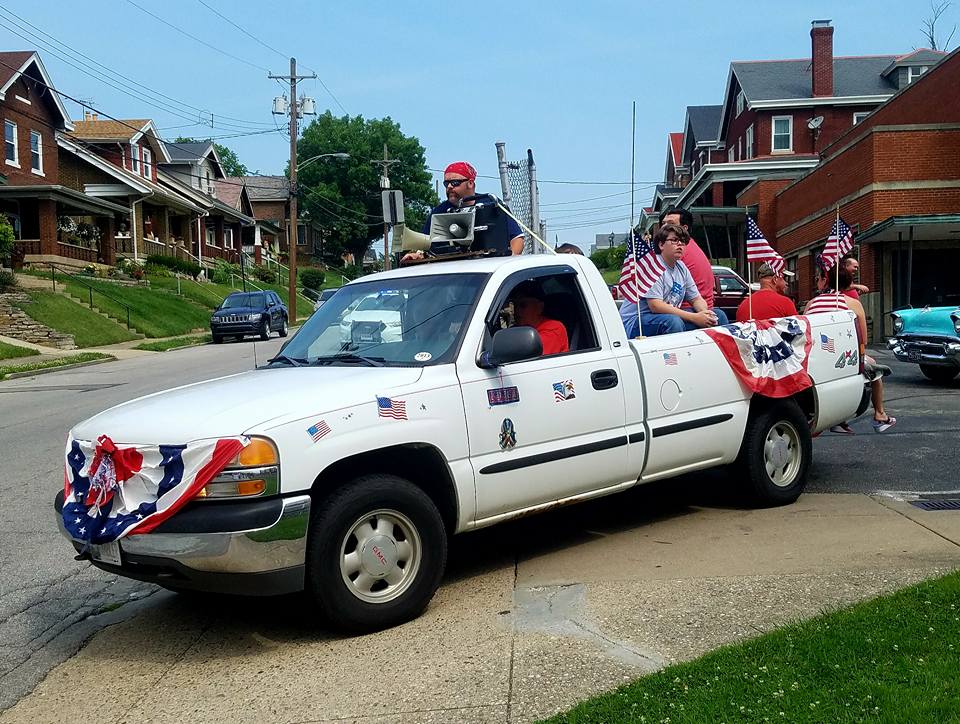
<point>376,553</point>
<point>776,452</point>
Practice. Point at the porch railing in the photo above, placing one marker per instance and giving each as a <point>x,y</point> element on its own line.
<point>54,268</point>
<point>28,246</point>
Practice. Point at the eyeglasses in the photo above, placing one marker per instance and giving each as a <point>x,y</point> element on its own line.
<point>676,242</point>
<point>453,182</point>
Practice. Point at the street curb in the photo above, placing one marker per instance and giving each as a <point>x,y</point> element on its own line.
<point>45,370</point>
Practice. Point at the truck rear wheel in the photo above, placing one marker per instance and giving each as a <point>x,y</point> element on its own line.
<point>775,456</point>
<point>376,554</point>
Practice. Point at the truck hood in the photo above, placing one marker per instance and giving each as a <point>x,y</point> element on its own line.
<point>237,404</point>
<point>928,320</point>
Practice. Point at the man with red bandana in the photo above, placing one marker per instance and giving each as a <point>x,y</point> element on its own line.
<point>459,182</point>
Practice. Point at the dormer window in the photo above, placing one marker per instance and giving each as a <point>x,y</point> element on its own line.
<point>915,71</point>
<point>135,158</point>
<point>741,102</point>
<point>147,163</point>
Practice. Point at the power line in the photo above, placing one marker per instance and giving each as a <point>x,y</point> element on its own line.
<point>573,183</point>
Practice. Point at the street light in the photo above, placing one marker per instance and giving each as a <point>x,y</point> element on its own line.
<point>294,228</point>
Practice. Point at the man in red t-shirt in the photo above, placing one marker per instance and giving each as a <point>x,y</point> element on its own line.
<point>694,259</point>
<point>770,302</point>
<point>528,312</point>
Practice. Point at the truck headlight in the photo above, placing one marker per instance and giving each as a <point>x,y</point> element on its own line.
<point>253,473</point>
<point>897,324</point>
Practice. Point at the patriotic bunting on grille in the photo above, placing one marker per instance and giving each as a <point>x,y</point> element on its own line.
<point>111,491</point>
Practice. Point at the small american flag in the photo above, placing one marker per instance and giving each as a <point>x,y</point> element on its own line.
<point>397,409</point>
<point>826,343</point>
<point>670,358</point>
<point>759,249</point>
<point>839,242</point>
<point>642,267</point>
<point>318,429</point>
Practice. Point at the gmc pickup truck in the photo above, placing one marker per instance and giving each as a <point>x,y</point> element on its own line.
<point>351,457</point>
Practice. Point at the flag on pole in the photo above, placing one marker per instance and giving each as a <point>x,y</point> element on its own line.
<point>759,249</point>
<point>642,267</point>
<point>839,243</point>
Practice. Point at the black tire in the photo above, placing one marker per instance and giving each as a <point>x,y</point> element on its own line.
<point>283,327</point>
<point>940,375</point>
<point>775,475</point>
<point>217,339</point>
<point>264,330</point>
<point>387,503</point>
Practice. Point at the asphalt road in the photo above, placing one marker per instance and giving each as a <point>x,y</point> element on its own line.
<point>50,604</point>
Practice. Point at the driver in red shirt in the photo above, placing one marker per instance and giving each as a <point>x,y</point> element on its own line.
<point>527,301</point>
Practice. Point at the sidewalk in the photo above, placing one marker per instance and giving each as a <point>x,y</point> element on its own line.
<point>533,617</point>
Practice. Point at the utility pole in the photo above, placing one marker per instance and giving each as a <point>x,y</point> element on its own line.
<point>293,236</point>
<point>385,165</point>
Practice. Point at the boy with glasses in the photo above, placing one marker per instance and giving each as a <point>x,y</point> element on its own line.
<point>659,309</point>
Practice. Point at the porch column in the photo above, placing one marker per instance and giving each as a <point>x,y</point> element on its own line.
<point>218,235</point>
<point>166,237</point>
<point>107,226</point>
<point>47,216</point>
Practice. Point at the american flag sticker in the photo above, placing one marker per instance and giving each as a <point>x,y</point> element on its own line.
<point>826,343</point>
<point>670,358</point>
<point>563,391</point>
<point>395,409</point>
<point>318,429</point>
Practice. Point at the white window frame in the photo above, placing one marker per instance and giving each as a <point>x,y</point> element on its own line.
<point>23,100</point>
<point>751,152</point>
<point>39,170</point>
<point>16,144</point>
<point>741,102</point>
<point>920,70</point>
<point>210,236</point>
<point>730,158</point>
<point>773,134</point>
<point>858,116</point>
<point>147,158</point>
<point>135,158</point>
<point>227,237</point>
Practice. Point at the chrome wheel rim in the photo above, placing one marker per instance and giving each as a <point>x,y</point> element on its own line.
<point>380,556</point>
<point>782,454</point>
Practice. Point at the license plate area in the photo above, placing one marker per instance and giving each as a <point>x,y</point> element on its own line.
<point>108,553</point>
<point>913,355</point>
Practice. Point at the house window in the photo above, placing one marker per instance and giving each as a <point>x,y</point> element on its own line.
<point>782,134</point>
<point>10,141</point>
<point>914,72</point>
<point>36,153</point>
<point>730,158</point>
<point>135,158</point>
<point>743,153</point>
<point>741,101</point>
<point>211,236</point>
<point>228,238</point>
<point>750,150</point>
<point>209,188</point>
<point>859,116</point>
<point>147,163</point>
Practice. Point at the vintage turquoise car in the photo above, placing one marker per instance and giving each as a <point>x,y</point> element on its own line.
<point>929,337</point>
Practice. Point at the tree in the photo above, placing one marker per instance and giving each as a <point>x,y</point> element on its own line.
<point>929,26</point>
<point>343,196</point>
<point>229,160</point>
<point>7,237</point>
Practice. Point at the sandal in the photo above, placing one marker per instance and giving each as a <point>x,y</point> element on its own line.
<point>884,425</point>
<point>843,429</point>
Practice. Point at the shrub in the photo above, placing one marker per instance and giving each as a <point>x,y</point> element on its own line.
<point>6,237</point>
<point>156,270</point>
<point>265,275</point>
<point>312,278</point>
<point>7,281</point>
<point>223,270</point>
<point>183,266</point>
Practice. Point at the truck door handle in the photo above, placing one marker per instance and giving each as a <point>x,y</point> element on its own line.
<point>604,379</point>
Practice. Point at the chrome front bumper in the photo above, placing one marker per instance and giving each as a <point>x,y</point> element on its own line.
<point>934,351</point>
<point>249,547</point>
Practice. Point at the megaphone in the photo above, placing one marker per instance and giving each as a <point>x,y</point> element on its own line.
<point>455,227</point>
<point>405,239</point>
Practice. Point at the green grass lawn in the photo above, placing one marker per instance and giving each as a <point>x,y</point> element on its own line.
<point>209,295</point>
<point>611,276</point>
<point>58,362</point>
<point>895,658</point>
<point>153,312</point>
<point>11,351</point>
<point>163,345</point>
<point>88,328</point>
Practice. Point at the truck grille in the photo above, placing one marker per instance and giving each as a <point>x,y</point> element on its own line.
<point>233,318</point>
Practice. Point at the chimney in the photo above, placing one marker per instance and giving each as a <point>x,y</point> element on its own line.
<point>821,37</point>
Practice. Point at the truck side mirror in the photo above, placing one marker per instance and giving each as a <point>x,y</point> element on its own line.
<point>512,345</point>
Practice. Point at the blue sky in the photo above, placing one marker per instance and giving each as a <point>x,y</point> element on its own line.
<point>558,77</point>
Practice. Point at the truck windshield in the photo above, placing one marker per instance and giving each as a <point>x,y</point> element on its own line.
<point>414,321</point>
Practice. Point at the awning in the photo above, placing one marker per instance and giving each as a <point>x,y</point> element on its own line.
<point>70,198</point>
<point>718,215</point>
<point>932,227</point>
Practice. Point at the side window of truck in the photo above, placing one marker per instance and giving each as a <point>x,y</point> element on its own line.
<point>563,301</point>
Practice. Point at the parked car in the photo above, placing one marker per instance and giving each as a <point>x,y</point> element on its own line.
<point>248,313</point>
<point>929,337</point>
<point>375,318</point>
<point>729,289</point>
<point>323,296</point>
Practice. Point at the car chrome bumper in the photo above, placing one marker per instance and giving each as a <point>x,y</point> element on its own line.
<point>935,352</point>
<point>235,328</point>
<point>250,547</point>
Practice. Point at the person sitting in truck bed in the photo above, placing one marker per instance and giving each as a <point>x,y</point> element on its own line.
<point>528,300</point>
<point>659,308</point>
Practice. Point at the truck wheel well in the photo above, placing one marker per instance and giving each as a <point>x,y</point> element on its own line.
<point>804,399</point>
<point>420,463</point>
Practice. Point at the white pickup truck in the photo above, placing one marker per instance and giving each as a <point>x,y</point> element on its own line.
<point>368,453</point>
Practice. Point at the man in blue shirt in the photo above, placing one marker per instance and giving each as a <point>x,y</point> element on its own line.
<point>659,309</point>
<point>459,182</point>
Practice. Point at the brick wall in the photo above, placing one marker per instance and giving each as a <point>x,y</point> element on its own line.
<point>76,173</point>
<point>37,116</point>
<point>763,194</point>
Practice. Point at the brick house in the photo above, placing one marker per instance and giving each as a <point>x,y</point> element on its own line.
<point>895,177</point>
<point>52,221</point>
<point>270,196</point>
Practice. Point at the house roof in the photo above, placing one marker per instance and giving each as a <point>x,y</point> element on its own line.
<point>267,188</point>
<point>676,147</point>
<point>704,121</point>
<point>921,56</point>
<point>96,130</point>
<point>230,191</point>
<point>16,62</point>
<point>189,152</point>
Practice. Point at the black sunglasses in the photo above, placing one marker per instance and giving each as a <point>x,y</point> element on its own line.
<point>454,182</point>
